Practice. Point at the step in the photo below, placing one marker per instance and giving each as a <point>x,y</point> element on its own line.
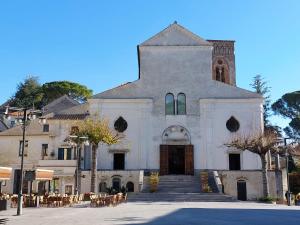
<point>181,197</point>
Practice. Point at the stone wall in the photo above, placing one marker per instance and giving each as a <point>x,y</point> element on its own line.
<point>253,183</point>
<point>135,176</point>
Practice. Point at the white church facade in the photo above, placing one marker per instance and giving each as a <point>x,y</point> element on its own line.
<point>176,118</point>
<point>181,111</point>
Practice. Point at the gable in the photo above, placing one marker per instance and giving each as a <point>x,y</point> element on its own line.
<point>61,103</point>
<point>176,35</point>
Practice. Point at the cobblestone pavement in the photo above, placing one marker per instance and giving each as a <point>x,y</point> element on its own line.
<point>162,213</point>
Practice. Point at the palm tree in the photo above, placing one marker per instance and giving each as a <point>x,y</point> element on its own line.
<point>97,131</point>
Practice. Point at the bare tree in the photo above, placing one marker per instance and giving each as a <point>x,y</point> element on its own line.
<point>260,144</point>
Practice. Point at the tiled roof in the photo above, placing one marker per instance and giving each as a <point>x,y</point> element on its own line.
<point>59,104</point>
<point>69,116</point>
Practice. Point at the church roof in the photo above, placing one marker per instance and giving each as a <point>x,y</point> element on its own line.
<point>176,35</point>
<point>61,103</point>
<point>210,90</point>
<point>127,88</point>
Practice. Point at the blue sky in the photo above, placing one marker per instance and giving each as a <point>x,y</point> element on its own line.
<point>94,42</point>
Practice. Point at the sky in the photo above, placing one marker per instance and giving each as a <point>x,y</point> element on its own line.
<point>94,42</point>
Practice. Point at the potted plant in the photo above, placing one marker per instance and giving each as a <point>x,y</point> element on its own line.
<point>154,179</point>
<point>297,199</point>
<point>268,199</point>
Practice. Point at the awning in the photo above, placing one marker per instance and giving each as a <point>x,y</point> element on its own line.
<point>5,173</point>
<point>41,174</point>
<point>38,174</point>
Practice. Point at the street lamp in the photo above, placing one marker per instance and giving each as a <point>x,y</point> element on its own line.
<point>23,122</point>
<point>78,140</point>
<point>288,194</point>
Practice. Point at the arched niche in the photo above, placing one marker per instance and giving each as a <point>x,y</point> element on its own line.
<point>176,135</point>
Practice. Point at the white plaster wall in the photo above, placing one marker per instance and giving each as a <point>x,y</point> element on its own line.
<point>137,138</point>
<point>208,131</point>
<point>214,134</point>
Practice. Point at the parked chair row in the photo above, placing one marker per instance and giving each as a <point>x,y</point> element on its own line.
<point>108,200</point>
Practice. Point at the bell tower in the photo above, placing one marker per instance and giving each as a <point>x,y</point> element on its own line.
<point>223,61</point>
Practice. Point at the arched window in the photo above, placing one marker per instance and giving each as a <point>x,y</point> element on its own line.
<point>221,71</point>
<point>181,104</point>
<point>170,104</point>
<point>116,184</point>
<point>130,186</point>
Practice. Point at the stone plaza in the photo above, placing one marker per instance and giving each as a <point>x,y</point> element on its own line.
<point>159,213</point>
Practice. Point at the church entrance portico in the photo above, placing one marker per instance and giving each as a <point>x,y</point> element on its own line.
<point>176,152</point>
<point>176,159</point>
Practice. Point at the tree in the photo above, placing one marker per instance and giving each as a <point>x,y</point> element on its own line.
<point>28,94</point>
<point>288,106</point>
<point>56,89</point>
<point>260,87</point>
<point>97,131</point>
<point>31,94</point>
<point>260,144</point>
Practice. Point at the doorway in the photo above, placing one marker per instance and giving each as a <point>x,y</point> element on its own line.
<point>177,159</point>
<point>242,190</point>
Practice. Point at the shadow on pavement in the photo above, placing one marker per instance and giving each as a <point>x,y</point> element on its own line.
<point>191,216</point>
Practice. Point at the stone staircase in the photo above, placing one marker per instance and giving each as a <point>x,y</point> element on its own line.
<point>178,184</point>
<point>178,197</point>
<point>180,188</point>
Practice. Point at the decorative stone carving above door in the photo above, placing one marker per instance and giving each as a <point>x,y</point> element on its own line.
<point>176,135</point>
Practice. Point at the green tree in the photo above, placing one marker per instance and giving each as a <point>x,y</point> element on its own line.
<point>288,106</point>
<point>260,86</point>
<point>31,94</point>
<point>56,89</point>
<point>28,94</point>
<point>97,131</point>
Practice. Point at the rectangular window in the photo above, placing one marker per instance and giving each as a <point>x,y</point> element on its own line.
<point>44,150</point>
<point>46,128</point>
<point>119,161</point>
<point>64,154</point>
<point>25,148</point>
<point>234,162</point>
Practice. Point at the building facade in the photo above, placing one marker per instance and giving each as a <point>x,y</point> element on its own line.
<point>175,118</point>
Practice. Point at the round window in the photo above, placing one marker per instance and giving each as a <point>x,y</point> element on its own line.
<point>232,124</point>
<point>120,124</point>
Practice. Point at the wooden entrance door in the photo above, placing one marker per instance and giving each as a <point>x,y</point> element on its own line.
<point>177,159</point>
<point>164,160</point>
<point>242,190</point>
<point>189,159</point>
